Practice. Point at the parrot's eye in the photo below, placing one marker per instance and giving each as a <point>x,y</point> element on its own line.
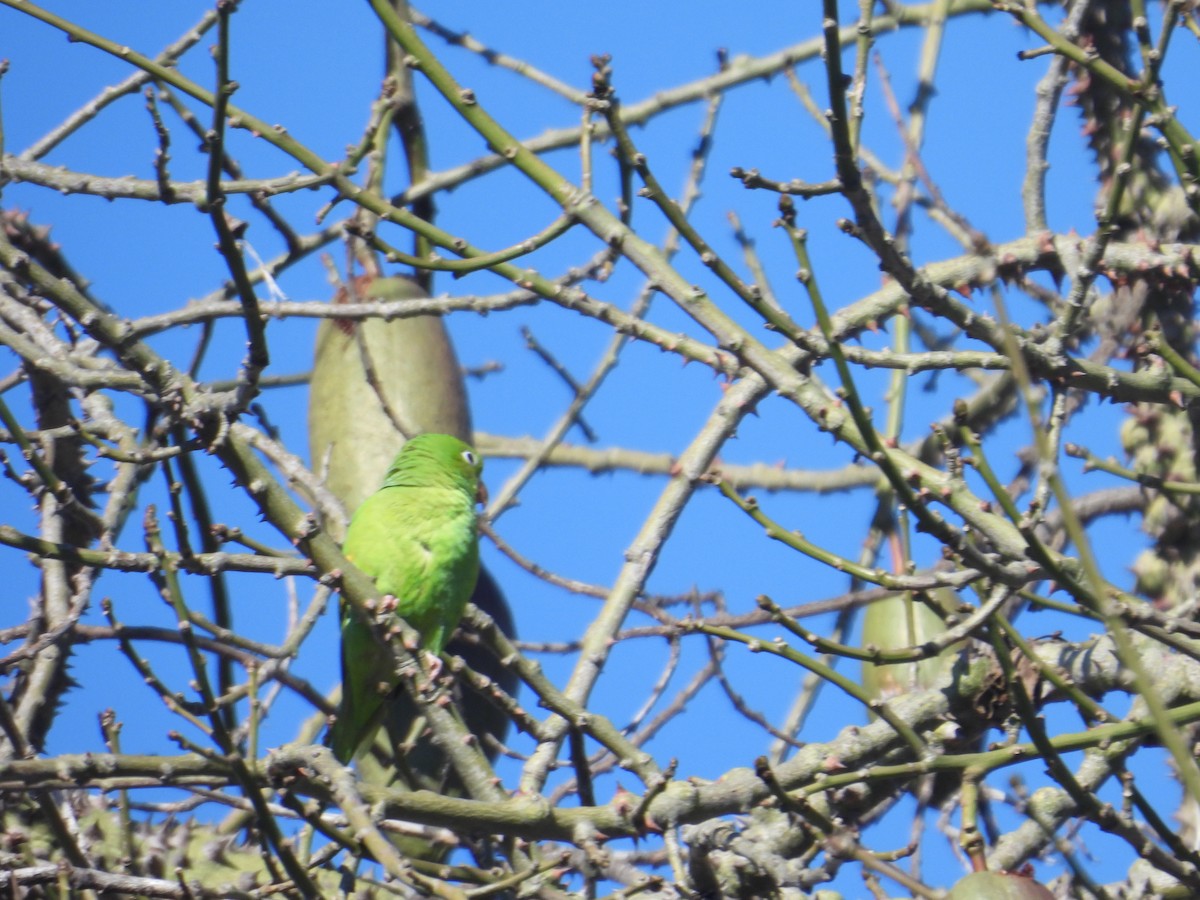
<point>470,458</point>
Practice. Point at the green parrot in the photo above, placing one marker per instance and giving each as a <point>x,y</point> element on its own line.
<point>416,536</point>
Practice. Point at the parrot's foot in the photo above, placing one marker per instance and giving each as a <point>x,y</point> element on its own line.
<point>435,665</point>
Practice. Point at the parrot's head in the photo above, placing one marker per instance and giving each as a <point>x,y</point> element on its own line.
<point>436,457</point>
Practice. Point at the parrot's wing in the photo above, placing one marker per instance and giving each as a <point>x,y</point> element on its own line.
<point>447,566</point>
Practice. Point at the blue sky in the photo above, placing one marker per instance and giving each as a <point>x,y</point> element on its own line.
<point>315,68</point>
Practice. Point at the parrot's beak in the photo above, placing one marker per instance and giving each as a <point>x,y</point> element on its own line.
<point>481,494</point>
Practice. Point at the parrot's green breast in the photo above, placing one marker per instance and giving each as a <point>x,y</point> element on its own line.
<point>420,546</point>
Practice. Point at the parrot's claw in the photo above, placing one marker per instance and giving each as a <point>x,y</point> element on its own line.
<point>435,665</point>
